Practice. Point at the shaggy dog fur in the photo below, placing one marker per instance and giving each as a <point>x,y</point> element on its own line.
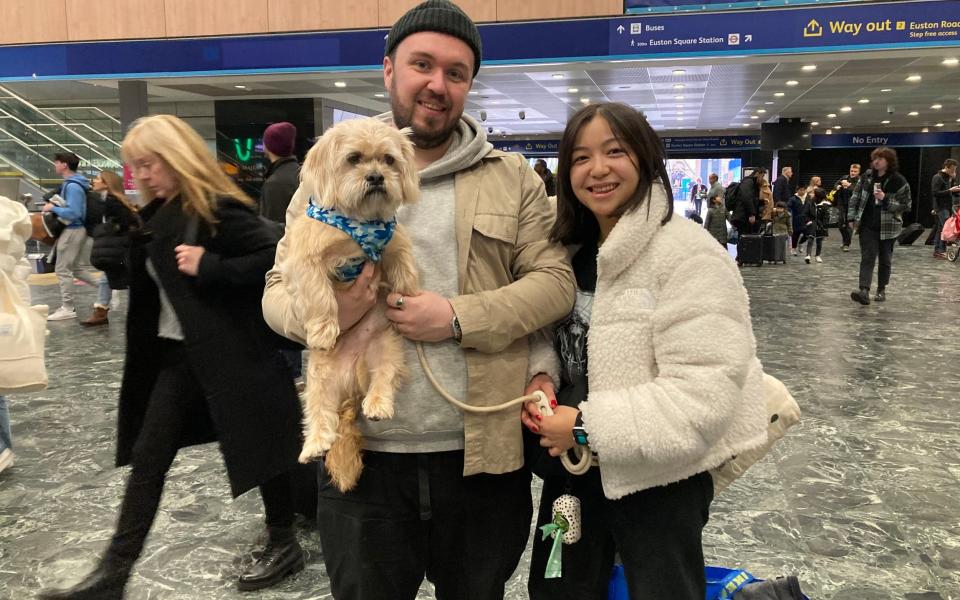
<point>365,365</point>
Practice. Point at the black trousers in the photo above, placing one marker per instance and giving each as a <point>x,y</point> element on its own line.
<point>657,533</point>
<point>175,401</point>
<point>871,249</point>
<point>416,515</point>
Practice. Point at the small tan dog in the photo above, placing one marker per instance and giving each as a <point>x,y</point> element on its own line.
<point>358,174</point>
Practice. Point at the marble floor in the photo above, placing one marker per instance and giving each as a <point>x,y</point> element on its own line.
<point>860,500</point>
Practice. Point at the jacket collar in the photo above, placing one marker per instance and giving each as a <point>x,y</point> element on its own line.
<point>279,163</point>
<point>632,234</point>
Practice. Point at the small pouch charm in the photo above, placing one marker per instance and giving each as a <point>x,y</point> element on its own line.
<point>564,528</point>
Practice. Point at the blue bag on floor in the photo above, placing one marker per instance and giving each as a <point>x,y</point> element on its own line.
<point>721,583</point>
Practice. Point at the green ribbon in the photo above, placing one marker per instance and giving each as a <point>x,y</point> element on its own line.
<point>557,528</point>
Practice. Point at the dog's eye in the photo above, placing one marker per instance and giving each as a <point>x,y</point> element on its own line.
<point>389,160</point>
<point>354,158</point>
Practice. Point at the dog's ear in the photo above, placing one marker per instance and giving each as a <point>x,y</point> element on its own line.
<point>319,169</point>
<point>410,177</point>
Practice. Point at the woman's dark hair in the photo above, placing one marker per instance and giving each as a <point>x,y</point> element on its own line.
<point>888,153</point>
<point>575,223</point>
<point>819,195</point>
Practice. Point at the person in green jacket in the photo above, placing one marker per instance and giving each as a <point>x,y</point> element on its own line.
<point>782,220</point>
<point>716,221</point>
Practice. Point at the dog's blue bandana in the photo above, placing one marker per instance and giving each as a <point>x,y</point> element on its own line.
<point>372,237</point>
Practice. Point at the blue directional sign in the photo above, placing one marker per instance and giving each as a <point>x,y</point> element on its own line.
<point>734,143</point>
<point>873,140</point>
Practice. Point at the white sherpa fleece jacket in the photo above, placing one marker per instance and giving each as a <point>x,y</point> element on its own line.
<point>675,384</point>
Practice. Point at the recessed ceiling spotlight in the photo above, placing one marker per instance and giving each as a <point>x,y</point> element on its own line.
<point>760,111</point>
<point>340,84</point>
<point>814,124</point>
<point>778,94</point>
<point>914,78</point>
<point>679,112</point>
<point>809,68</point>
<point>748,124</point>
<point>886,90</point>
<point>678,86</point>
<point>863,101</point>
<point>912,113</point>
<point>950,62</point>
<point>382,95</point>
<point>836,127</point>
<point>925,130</point>
<point>958,120</point>
<point>936,106</point>
<point>754,117</point>
<point>678,97</point>
<point>845,109</point>
<point>829,132</point>
<point>679,72</point>
<point>832,115</point>
<point>768,102</point>
<point>572,90</point>
<point>884,122</point>
<point>793,82</point>
<point>240,87</point>
<point>558,75</point>
<point>939,124</point>
<point>473,92</point>
<point>679,118</point>
<point>585,100</point>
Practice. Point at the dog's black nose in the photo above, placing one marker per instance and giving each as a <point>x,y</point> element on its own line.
<point>375,179</point>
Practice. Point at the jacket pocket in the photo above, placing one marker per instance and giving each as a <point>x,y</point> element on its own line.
<point>497,227</point>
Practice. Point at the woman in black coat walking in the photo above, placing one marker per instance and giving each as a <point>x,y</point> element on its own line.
<point>201,364</point>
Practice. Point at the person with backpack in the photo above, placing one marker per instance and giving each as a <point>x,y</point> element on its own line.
<point>72,252</point>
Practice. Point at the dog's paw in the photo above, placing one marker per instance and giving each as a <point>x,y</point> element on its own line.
<point>315,447</point>
<point>377,407</point>
<point>322,335</point>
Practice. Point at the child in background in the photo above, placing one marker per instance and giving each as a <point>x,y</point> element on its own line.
<point>795,206</point>
<point>716,222</point>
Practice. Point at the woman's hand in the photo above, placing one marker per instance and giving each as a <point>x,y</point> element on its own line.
<point>530,412</point>
<point>556,431</point>
<point>188,258</point>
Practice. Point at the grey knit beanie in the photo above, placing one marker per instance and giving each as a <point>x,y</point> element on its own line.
<point>440,16</point>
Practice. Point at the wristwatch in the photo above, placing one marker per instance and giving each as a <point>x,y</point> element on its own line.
<point>579,433</point>
<point>457,332</point>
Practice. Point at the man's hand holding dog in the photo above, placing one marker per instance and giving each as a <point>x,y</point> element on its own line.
<point>357,300</point>
<point>425,317</point>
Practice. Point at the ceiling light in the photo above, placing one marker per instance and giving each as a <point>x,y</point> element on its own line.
<point>814,124</point>
<point>829,132</point>
<point>884,122</point>
<point>925,130</point>
<point>768,103</point>
<point>958,120</point>
<point>831,115</point>
<point>558,75</point>
<point>912,113</point>
<point>679,118</point>
<point>679,72</point>
<point>379,95</point>
<point>914,78</point>
<point>585,100</point>
<point>845,109</point>
<point>939,124</point>
<point>936,106</point>
<point>678,97</point>
<point>754,117</point>
<point>748,124</point>
<point>809,68</point>
<point>863,101</point>
<point>473,92</point>
<point>950,62</point>
<point>793,82</point>
<point>760,111</point>
<point>886,90</point>
<point>572,90</point>
<point>836,127</point>
<point>679,112</point>
<point>240,87</point>
<point>678,86</point>
<point>778,94</point>
<point>340,84</point>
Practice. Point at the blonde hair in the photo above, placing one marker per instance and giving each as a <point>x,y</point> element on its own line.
<point>114,185</point>
<point>199,175</point>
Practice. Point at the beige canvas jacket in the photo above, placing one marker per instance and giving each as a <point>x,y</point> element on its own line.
<point>513,282</point>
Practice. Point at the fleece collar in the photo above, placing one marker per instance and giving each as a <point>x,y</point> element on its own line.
<point>372,236</point>
<point>632,234</point>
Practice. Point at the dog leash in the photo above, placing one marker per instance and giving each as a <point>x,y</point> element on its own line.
<point>585,459</point>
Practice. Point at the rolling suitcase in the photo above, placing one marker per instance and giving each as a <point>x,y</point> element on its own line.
<point>750,250</point>
<point>910,234</point>
<point>775,248</point>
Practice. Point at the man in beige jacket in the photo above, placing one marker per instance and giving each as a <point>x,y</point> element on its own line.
<point>445,494</point>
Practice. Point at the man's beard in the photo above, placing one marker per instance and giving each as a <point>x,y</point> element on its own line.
<point>423,139</point>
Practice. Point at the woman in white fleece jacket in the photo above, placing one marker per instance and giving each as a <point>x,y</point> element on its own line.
<point>674,381</point>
